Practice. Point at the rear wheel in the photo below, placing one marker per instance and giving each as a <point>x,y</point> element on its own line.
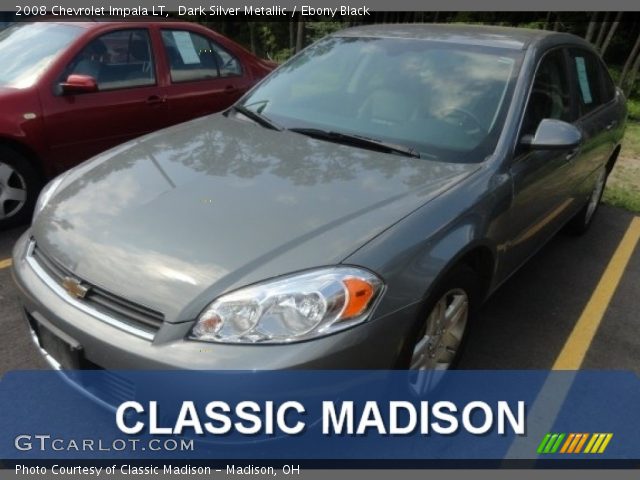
<point>19,185</point>
<point>584,218</point>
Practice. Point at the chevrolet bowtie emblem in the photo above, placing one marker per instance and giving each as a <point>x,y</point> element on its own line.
<point>74,287</point>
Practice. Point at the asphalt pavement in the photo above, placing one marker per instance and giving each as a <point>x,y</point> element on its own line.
<point>524,325</point>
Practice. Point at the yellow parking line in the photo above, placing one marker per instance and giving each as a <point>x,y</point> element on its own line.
<point>6,263</point>
<point>577,345</point>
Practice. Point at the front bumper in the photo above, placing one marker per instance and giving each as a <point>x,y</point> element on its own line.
<point>375,344</point>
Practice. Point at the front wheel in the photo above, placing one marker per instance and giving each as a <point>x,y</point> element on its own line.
<point>441,332</point>
<point>445,319</point>
<point>18,188</point>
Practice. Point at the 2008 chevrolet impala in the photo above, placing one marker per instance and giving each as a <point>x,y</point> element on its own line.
<point>351,211</point>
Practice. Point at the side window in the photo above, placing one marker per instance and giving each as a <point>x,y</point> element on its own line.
<point>550,95</point>
<point>229,65</point>
<point>195,57</point>
<point>587,68</point>
<point>121,59</point>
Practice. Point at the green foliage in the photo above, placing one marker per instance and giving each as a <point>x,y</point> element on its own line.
<point>634,110</point>
<point>318,29</point>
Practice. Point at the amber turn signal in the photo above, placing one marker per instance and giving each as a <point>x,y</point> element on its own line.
<point>360,294</point>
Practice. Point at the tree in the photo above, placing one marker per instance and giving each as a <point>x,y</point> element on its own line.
<point>300,36</point>
<point>592,27</point>
<point>629,63</point>
<point>252,36</point>
<point>612,30</point>
<point>631,80</point>
<point>603,27</point>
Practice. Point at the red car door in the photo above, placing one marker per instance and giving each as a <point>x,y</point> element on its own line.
<point>203,77</point>
<point>129,100</point>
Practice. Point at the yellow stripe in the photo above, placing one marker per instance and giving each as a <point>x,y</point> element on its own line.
<point>591,442</point>
<point>582,440</point>
<point>605,443</point>
<point>576,346</point>
<point>567,442</point>
<point>596,445</point>
<point>6,263</point>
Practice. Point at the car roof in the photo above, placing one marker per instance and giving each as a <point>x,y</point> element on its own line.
<point>491,36</point>
<point>90,24</point>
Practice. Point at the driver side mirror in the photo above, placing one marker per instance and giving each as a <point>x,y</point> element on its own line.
<point>553,134</point>
<point>79,84</point>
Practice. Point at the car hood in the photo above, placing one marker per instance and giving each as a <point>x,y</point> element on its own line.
<point>175,218</point>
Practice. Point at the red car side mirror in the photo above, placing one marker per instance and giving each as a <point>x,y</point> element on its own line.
<point>79,84</point>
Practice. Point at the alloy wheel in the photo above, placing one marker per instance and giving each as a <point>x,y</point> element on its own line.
<point>436,349</point>
<point>13,191</point>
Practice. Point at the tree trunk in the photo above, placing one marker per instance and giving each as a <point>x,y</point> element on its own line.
<point>252,36</point>
<point>629,62</point>
<point>547,22</point>
<point>628,87</point>
<point>300,36</point>
<point>603,28</point>
<point>556,24</point>
<point>292,34</point>
<point>612,30</point>
<point>592,27</point>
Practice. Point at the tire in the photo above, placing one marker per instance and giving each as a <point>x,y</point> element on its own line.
<point>437,346</point>
<point>19,187</point>
<point>584,218</point>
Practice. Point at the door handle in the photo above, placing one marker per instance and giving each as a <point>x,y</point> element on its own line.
<point>230,89</point>
<point>155,99</point>
<point>572,154</point>
<point>611,125</point>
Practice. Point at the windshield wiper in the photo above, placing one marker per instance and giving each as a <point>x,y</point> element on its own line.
<point>357,141</point>
<point>257,117</point>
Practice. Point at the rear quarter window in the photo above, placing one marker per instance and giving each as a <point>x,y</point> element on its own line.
<point>593,84</point>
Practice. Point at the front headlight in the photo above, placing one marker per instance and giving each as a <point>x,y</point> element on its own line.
<point>46,194</point>
<point>293,308</point>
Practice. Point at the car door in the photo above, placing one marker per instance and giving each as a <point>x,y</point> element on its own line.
<point>203,78</point>
<point>542,179</point>
<point>128,101</point>
<point>598,117</point>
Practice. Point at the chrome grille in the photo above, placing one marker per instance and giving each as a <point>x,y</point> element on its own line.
<point>117,308</point>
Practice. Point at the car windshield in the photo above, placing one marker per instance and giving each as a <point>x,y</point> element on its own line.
<point>27,49</point>
<point>445,101</point>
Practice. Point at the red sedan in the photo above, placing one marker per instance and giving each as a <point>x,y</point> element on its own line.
<point>69,90</point>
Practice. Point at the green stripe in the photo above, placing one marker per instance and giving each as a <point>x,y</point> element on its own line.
<point>547,449</point>
<point>558,442</point>
<point>543,442</point>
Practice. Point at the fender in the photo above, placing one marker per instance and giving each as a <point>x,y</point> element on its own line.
<point>432,243</point>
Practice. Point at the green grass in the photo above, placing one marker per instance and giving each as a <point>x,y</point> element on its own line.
<point>631,141</point>
<point>626,198</point>
<point>623,187</point>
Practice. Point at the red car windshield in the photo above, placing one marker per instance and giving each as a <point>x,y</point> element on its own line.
<point>27,49</point>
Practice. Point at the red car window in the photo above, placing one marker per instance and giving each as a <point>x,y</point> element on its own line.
<point>120,59</point>
<point>195,57</point>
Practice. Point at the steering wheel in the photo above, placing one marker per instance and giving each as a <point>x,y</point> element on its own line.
<point>452,112</point>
